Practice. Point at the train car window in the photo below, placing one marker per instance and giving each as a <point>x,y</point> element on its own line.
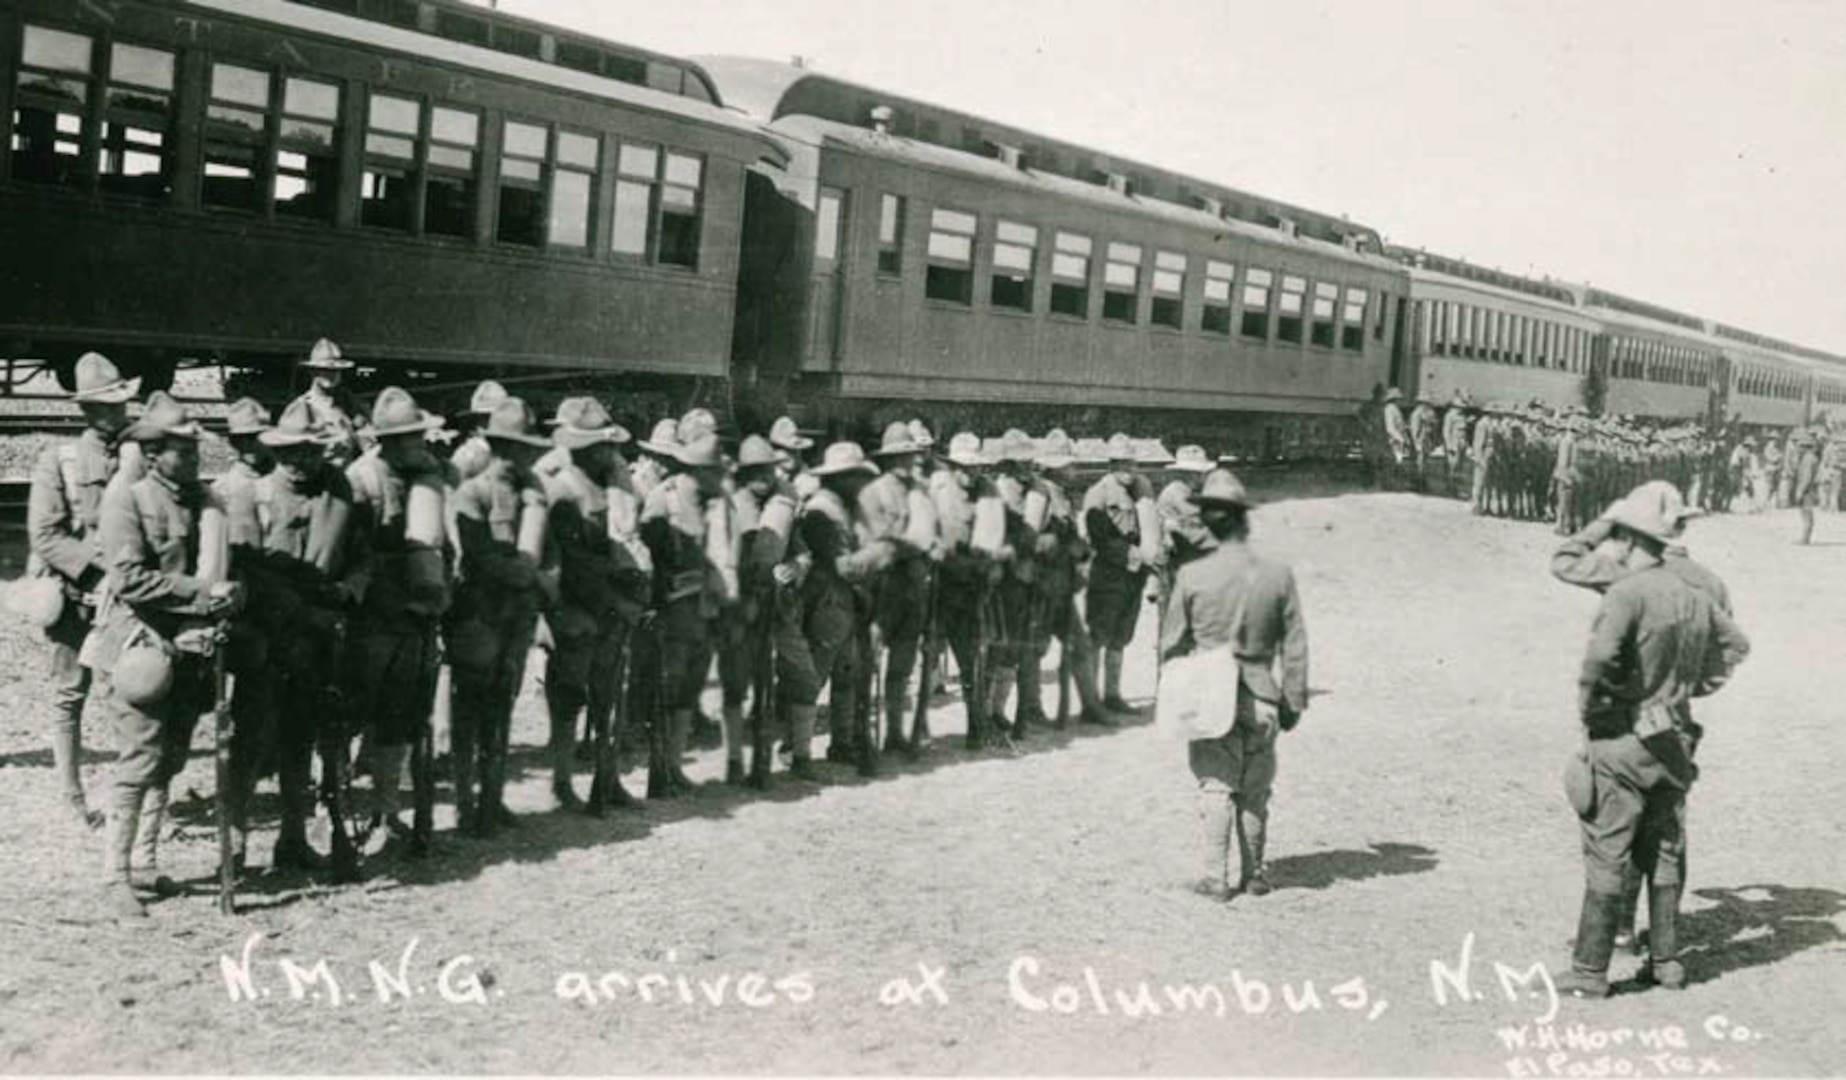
<point>625,69</point>
<point>465,28</point>
<point>236,139</point>
<point>581,57</point>
<point>1121,282</point>
<point>1294,296</point>
<point>49,113</point>
<point>573,188</point>
<point>519,42</point>
<point>1352,326</point>
<point>665,77</point>
<point>393,129</point>
<point>827,225</point>
<point>137,157</point>
<point>308,150</point>
<point>1215,314</point>
<point>1168,306</point>
<point>450,184</point>
<point>1326,296</point>
<point>951,257</point>
<point>1070,275</point>
<point>638,170</point>
<point>680,203</point>
<point>1257,288</point>
<point>1015,256</point>
<point>891,234</point>
<point>396,12</point>
<point>521,203</point>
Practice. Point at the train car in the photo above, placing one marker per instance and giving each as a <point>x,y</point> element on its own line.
<point>1654,361</point>
<point>438,188</point>
<point>1775,383</point>
<point>913,259</point>
<point>1494,336</point>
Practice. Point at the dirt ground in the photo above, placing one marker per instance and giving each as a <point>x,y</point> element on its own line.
<point>996,914</point>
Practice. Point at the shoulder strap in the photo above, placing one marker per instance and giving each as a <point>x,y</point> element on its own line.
<point>67,472</point>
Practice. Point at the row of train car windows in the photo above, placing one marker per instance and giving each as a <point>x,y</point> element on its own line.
<point>1830,393</point>
<point>1658,362</point>
<point>1759,382</point>
<point>1467,331</point>
<point>1328,313</point>
<point>105,118</point>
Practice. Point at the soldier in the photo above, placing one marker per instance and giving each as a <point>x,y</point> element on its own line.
<point>400,492</point>
<point>768,564</point>
<point>501,516</point>
<point>896,508</point>
<point>1486,433</point>
<point>153,638</point>
<point>1422,437</point>
<point>1183,536</point>
<point>1063,558</point>
<point>473,454</point>
<point>1455,438</point>
<point>1021,636</point>
<point>1232,598</point>
<point>601,592</point>
<point>1372,446</point>
<point>1657,642</point>
<point>964,575</point>
<point>63,514</point>
<point>1118,566</point>
<point>677,523</point>
<point>311,575</point>
<point>329,403</point>
<point>1804,472</point>
<point>833,608</point>
<point>1830,464</point>
<point>1397,435</point>
<point>1565,476</point>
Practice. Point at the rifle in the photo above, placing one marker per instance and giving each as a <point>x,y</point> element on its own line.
<point>932,645</point>
<point>607,772</point>
<point>993,733</point>
<point>423,764</point>
<point>654,687</point>
<point>1064,668</point>
<point>764,689</point>
<point>865,735</point>
<point>223,731</point>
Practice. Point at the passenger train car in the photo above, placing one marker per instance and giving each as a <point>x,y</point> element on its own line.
<point>437,188</point>
<point>451,192</point>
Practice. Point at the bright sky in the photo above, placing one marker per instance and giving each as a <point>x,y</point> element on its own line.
<point>1686,152</point>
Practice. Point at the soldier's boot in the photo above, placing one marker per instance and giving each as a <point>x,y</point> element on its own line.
<point>1663,968</point>
<point>971,700</point>
<point>1589,962</point>
<point>1031,694</point>
<point>1083,676</point>
<point>292,848</point>
<point>119,899</point>
<point>1252,839</point>
<point>493,778</point>
<point>897,706</point>
<point>464,767</point>
<point>762,753</point>
<point>736,734</point>
<point>67,757</point>
<point>387,793</point>
<point>998,690</point>
<point>801,738</point>
<point>679,726</point>
<point>613,794</point>
<point>1627,937</point>
<point>1112,682</point>
<point>1807,525</point>
<point>563,746</point>
<point>147,843</point>
<point>1216,816</point>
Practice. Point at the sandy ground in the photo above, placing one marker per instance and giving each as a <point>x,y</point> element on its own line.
<point>1418,820</point>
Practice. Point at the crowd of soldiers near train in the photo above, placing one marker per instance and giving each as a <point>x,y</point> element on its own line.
<point>1537,463</point>
<point>342,562</point>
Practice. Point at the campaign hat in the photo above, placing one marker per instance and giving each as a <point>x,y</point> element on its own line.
<point>326,356</point>
<point>99,381</point>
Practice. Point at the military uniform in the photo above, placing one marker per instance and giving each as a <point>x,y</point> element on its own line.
<point>1118,574</point>
<point>894,509</point>
<point>834,606</point>
<point>964,578</point>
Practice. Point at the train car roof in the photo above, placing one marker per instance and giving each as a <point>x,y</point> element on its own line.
<point>772,90</point>
<point>814,131</point>
<point>332,24</point>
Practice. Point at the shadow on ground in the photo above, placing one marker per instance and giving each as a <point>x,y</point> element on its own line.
<point>1323,869</point>
<point>1756,925</point>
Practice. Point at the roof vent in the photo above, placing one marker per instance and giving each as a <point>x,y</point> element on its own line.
<point>882,115</point>
<point>1118,182</point>
<point>1287,227</point>
<point>1010,156</point>
<point>1212,205</point>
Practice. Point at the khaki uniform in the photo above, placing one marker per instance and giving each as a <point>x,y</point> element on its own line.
<point>835,609</point>
<point>900,595</point>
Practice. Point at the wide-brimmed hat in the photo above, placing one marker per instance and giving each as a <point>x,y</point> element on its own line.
<point>1017,447</point>
<point>486,397</point>
<point>1654,509</point>
<point>326,356</point>
<point>1121,448</point>
<point>965,451</point>
<point>1055,450</point>
<point>897,440</point>
<point>246,416</point>
<point>99,381</point>
<point>295,427</point>
<point>920,434</point>
<point>1394,394</point>
<point>397,413</point>
<point>582,421</point>
<point>844,457</point>
<point>164,418</point>
<point>756,452</point>
<point>1091,452</point>
<point>1222,488</point>
<point>696,424</point>
<point>701,452</point>
<point>784,435</point>
<point>663,440</point>
<point>1191,458</point>
<point>513,421</point>
<point>1154,452</point>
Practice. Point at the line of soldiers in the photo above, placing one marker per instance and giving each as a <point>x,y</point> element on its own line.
<point>1536,463</point>
<point>344,563</point>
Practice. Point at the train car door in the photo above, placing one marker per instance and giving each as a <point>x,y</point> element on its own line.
<point>1404,374</point>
